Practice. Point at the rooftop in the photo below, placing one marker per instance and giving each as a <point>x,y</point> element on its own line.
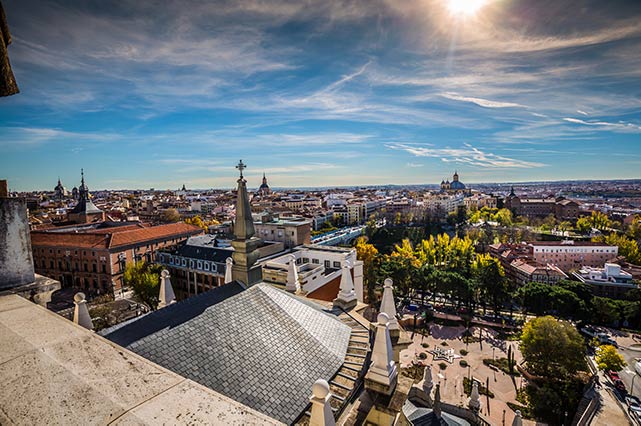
<point>55,370</point>
<point>262,347</point>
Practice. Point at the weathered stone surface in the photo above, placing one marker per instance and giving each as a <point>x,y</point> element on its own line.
<point>55,372</point>
<point>15,244</point>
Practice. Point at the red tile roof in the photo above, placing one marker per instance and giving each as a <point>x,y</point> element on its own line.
<point>161,232</point>
<point>118,237</point>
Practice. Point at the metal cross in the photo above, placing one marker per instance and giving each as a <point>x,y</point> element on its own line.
<point>241,167</point>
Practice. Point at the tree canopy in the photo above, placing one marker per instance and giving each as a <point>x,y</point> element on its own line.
<point>144,280</point>
<point>608,358</point>
<point>552,348</point>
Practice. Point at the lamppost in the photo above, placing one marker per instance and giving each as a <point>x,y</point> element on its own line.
<point>493,353</point>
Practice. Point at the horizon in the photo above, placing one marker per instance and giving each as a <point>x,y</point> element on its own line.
<point>331,94</point>
<point>357,186</point>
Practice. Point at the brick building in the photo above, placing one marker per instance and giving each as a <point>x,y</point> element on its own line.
<point>561,208</point>
<point>93,256</point>
<point>572,255</point>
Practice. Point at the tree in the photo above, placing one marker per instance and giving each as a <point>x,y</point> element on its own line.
<point>144,280</point>
<point>503,217</point>
<point>599,220</point>
<point>607,358</point>
<point>490,278</point>
<point>552,348</point>
<point>369,255</point>
<point>627,247</point>
<point>564,227</point>
<point>170,216</point>
<point>583,225</point>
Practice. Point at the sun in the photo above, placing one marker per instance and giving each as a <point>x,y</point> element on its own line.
<point>465,7</point>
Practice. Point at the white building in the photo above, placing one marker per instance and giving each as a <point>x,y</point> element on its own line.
<point>317,266</point>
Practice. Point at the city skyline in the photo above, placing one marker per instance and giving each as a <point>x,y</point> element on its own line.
<point>327,94</point>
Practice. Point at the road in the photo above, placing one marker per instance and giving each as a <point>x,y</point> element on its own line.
<point>628,373</point>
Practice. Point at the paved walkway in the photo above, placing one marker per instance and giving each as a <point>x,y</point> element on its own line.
<point>451,379</point>
<point>610,412</point>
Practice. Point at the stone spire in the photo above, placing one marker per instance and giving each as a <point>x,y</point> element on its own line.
<point>518,419</point>
<point>244,224</point>
<point>475,399</point>
<point>436,407</point>
<point>245,244</point>
<point>387,304</point>
<point>81,312</point>
<point>229,263</point>
<point>382,375</point>
<point>346,298</point>
<point>293,284</point>
<point>167,296</point>
<point>321,409</point>
<point>428,382</point>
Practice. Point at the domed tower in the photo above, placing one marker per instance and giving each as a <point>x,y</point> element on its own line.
<point>264,188</point>
<point>60,192</point>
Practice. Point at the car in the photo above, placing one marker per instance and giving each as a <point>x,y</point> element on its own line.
<point>613,375</point>
<point>620,386</point>
<point>633,403</point>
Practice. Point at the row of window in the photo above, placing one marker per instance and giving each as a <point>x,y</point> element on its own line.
<point>327,263</point>
<point>194,264</point>
<point>68,266</point>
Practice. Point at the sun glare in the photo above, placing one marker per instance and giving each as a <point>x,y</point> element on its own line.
<point>465,7</point>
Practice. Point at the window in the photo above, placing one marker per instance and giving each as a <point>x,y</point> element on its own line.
<point>315,261</point>
<point>327,263</point>
<point>184,262</point>
<point>337,264</point>
<point>94,268</point>
<point>51,264</point>
<point>206,266</point>
<point>305,260</point>
<point>104,268</point>
<point>200,264</point>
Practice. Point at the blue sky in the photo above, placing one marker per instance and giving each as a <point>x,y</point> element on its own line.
<point>157,94</point>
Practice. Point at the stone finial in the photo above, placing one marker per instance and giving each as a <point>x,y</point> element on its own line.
<point>518,419</point>
<point>321,409</point>
<point>81,312</point>
<point>167,296</point>
<point>428,383</point>
<point>346,298</point>
<point>387,304</point>
<point>475,398</point>
<point>229,263</point>
<point>292,275</point>
<point>382,375</point>
<point>436,407</point>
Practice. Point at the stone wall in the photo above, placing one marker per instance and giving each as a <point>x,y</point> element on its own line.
<point>16,261</point>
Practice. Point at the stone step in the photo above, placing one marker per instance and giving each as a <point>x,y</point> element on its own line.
<point>345,376</point>
<point>338,385</point>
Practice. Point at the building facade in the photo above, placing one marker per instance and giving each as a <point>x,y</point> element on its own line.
<point>572,255</point>
<point>609,281</point>
<point>93,257</point>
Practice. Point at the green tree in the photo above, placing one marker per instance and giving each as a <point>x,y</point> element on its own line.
<point>564,227</point>
<point>627,247</point>
<point>503,217</point>
<point>170,216</point>
<point>608,358</point>
<point>552,348</point>
<point>144,280</point>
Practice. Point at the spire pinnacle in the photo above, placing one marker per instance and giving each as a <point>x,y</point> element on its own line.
<point>241,167</point>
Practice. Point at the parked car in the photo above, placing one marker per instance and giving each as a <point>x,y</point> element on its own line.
<point>613,375</point>
<point>633,403</point>
<point>620,386</point>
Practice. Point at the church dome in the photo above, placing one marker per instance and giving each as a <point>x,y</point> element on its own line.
<point>457,185</point>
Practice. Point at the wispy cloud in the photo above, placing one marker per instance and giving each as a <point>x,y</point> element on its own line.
<point>480,102</point>
<point>621,126</point>
<point>468,155</point>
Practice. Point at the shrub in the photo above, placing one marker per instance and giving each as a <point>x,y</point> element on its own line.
<point>442,365</point>
<point>463,363</point>
<point>444,343</point>
<point>425,345</point>
<point>463,352</point>
<point>422,355</point>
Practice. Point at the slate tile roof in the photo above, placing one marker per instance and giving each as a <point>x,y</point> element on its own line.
<point>262,347</point>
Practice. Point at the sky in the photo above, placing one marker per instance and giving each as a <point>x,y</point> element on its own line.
<point>159,94</point>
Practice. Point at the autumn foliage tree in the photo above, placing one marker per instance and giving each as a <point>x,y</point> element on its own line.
<point>608,358</point>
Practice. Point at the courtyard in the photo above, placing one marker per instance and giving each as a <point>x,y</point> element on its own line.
<point>462,358</point>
